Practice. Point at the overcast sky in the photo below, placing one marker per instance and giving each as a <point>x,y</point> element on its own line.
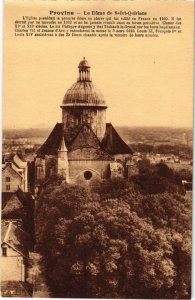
<point>146,82</point>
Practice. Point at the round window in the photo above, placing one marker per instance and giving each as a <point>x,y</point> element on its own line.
<point>87,175</point>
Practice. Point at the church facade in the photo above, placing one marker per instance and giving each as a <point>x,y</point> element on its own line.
<point>83,147</point>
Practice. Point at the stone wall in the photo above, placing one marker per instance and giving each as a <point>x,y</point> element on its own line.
<point>45,167</point>
<point>15,180</point>
<point>74,117</point>
<point>12,266</point>
<point>87,170</point>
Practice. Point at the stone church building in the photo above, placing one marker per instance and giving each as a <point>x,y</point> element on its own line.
<point>83,147</point>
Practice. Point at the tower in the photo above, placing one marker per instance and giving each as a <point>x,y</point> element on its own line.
<point>63,161</point>
<point>83,103</point>
<point>83,147</point>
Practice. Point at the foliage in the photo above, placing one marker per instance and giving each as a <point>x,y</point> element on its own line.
<point>144,166</point>
<point>157,179</point>
<point>184,151</point>
<point>110,241</point>
<point>141,147</point>
<point>185,174</point>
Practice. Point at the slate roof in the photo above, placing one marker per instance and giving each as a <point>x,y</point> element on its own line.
<point>113,143</point>
<point>84,63</point>
<point>19,161</point>
<point>25,198</point>
<point>13,168</point>
<point>5,197</point>
<point>85,138</point>
<point>14,237</point>
<point>84,93</point>
<point>11,210</point>
<point>52,144</point>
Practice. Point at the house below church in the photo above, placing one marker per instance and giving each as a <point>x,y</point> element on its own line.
<point>14,175</point>
<point>14,252</point>
<point>14,260</point>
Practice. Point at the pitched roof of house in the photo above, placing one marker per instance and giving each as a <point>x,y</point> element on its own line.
<point>5,197</point>
<point>16,168</point>
<point>14,237</point>
<point>113,143</point>
<point>19,161</point>
<point>13,208</point>
<point>25,198</point>
<point>13,168</point>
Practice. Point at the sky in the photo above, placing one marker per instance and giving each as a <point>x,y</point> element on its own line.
<point>145,81</point>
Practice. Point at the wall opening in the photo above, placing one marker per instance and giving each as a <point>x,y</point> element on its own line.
<point>87,175</point>
<point>4,251</point>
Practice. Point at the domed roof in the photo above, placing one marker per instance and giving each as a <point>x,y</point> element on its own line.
<point>84,63</point>
<point>83,93</point>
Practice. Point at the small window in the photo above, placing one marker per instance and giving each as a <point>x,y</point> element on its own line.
<point>87,175</point>
<point>4,251</point>
<point>7,179</point>
<point>7,187</point>
<point>39,172</point>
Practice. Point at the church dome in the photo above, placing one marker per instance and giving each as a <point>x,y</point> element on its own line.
<point>84,63</point>
<point>83,92</point>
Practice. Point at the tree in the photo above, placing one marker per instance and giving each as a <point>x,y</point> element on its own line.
<point>185,174</point>
<point>157,179</point>
<point>144,166</point>
<point>110,241</point>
